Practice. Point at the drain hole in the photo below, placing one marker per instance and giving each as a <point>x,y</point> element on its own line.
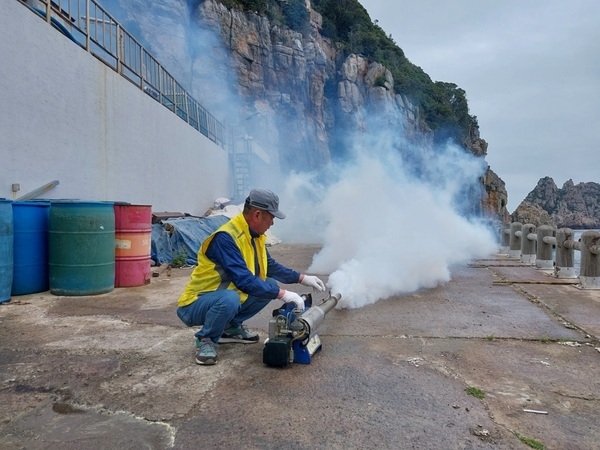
<point>65,408</point>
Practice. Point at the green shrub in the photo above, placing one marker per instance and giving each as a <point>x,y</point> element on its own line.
<point>296,15</point>
<point>533,443</point>
<point>477,393</point>
<point>179,260</point>
<point>380,81</point>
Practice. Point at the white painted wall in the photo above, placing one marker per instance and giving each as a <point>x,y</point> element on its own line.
<point>66,116</point>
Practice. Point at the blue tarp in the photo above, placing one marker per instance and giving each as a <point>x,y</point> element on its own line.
<point>182,235</point>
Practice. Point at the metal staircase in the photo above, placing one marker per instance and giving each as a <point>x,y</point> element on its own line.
<point>241,164</point>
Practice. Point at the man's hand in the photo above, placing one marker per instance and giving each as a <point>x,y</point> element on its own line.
<point>290,296</point>
<point>313,282</point>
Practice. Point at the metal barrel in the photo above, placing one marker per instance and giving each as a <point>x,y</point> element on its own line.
<point>133,226</point>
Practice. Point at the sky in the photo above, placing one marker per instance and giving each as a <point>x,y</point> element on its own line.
<point>531,72</point>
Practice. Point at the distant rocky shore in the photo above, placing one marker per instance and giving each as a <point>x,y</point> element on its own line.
<point>575,206</point>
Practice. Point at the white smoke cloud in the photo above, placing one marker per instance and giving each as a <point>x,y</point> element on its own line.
<point>387,218</point>
<point>384,230</point>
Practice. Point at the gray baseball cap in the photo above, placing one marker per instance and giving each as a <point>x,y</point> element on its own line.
<point>265,200</point>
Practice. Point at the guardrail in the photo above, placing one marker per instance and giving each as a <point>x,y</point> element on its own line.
<point>537,246</point>
<point>91,27</point>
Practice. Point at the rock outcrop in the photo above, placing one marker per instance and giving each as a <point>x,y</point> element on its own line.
<point>574,206</point>
<point>496,197</point>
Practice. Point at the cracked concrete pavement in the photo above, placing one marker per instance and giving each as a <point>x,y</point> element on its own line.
<point>117,370</point>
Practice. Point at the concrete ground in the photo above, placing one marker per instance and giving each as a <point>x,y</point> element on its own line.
<point>117,370</point>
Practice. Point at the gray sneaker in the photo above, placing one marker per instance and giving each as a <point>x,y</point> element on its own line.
<point>238,335</point>
<point>207,354</point>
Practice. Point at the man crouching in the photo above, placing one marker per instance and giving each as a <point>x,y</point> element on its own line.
<point>236,278</point>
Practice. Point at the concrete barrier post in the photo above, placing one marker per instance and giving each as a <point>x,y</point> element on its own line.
<point>543,259</point>
<point>528,243</point>
<point>504,238</point>
<point>589,274</point>
<point>515,240</point>
<point>564,267</point>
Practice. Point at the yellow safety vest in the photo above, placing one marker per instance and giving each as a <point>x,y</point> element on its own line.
<point>208,277</point>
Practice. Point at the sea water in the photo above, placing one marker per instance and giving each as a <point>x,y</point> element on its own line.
<point>577,256</point>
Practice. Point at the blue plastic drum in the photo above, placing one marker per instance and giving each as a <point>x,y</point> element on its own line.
<point>30,226</point>
<point>6,249</point>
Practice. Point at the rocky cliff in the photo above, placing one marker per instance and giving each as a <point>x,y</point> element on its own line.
<point>295,94</point>
<point>296,83</point>
<point>574,205</point>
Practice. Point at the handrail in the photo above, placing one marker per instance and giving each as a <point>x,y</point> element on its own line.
<point>523,241</point>
<point>90,26</point>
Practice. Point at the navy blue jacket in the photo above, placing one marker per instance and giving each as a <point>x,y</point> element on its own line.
<point>223,251</point>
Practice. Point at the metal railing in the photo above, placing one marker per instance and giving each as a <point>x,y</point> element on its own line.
<point>91,27</point>
<point>536,246</point>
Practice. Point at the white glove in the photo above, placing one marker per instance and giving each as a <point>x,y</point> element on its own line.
<point>290,296</point>
<point>313,282</point>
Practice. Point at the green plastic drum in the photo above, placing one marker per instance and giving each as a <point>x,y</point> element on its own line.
<point>81,247</point>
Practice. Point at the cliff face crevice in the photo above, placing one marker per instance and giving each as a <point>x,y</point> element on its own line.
<point>573,206</point>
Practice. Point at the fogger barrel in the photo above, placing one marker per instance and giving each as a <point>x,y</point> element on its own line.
<point>313,317</point>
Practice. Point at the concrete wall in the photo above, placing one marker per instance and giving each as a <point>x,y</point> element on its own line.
<point>66,116</point>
